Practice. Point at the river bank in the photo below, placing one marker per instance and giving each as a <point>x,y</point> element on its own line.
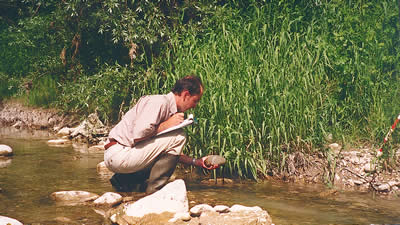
<point>342,168</point>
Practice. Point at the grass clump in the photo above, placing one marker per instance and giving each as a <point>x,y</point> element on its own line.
<point>279,85</point>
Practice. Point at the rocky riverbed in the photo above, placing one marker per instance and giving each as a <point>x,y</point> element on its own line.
<point>358,168</point>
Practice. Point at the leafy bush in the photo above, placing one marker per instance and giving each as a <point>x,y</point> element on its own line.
<point>43,93</point>
<point>9,86</point>
<point>278,83</point>
<point>279,75</point>
<point>109,92</point>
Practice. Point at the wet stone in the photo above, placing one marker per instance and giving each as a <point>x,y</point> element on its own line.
<point>108,198</point>
<point>9,221</point>
<point>221,208</point>
<point>59,142</point>
<point>73,196</point>
<point>197,210</point>
<point>5,150</point>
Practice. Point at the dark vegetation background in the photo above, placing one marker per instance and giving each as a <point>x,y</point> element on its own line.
<point>280,76</point>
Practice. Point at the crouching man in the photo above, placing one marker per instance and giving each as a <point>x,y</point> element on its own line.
<point>133,151</point>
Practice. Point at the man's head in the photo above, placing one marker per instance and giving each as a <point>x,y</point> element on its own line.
<point>188,92</point>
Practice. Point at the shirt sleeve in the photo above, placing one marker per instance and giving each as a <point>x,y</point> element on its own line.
<point>149,115</point>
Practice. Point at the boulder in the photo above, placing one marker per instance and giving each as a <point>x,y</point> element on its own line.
<point>73,197</point>
<point>240,215</point>
<point>59,142</point>
<point>221,208</point>
<point>5,150</point>
<point>9,221</point>
<point>160,206</point>
<point>197,210</point>
<point>89,128</point>
<point>171,198</point>
<point>108,199</point>
<point>65,131</point>
<point>183,216</point>
<point>383,188</point>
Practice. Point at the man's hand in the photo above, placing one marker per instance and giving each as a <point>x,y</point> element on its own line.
<point>174,120</point>
<point>196,162</point>
<point>201,163</point>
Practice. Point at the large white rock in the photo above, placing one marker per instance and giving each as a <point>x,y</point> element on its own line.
<point>9,221</point>
<point>108,198</point>
<point>5,150</point>
<point>197,210</point>
<point>171,198</point>
<point>74,196</point>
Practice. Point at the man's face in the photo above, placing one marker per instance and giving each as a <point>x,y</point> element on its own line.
<point>190,101</point>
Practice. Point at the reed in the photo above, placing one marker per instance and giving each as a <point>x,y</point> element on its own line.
<point>274,87</point>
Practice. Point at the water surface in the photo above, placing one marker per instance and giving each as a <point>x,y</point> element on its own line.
<point>36,170</point>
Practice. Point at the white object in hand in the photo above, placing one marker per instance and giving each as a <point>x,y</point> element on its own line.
<point>189,120</point>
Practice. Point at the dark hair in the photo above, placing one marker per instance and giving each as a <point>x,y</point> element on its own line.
<point>191,83</point>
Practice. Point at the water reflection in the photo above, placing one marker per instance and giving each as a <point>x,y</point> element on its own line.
<point>37,170</point>
<point>4,162</point>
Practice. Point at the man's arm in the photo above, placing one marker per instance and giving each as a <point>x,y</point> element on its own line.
<point>174,120</point>
<point>187,160</point>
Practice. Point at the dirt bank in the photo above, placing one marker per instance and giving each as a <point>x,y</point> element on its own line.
<point>13,113</point>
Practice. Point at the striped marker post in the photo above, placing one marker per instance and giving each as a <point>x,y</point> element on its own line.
<point>390,132</point>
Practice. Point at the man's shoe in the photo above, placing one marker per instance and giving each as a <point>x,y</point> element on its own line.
<point>118,183</point>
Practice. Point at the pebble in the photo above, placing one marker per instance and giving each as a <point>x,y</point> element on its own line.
<point>198,209</point>
<point>5,150</point>
<point>59,142</point>
<point>108,198</point>
<point>221,208</point>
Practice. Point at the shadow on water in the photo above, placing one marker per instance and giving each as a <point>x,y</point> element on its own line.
<point>36,170</point>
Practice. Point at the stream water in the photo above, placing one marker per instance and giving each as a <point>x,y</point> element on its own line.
<point>36,170</point>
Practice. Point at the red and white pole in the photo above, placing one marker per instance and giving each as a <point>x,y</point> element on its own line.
<point>390,132</point>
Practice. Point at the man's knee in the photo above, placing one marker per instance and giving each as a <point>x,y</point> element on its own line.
<point>180,135</point>
<point>179,142</point>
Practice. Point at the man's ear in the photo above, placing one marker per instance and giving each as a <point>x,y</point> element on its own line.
<point>185,93</point>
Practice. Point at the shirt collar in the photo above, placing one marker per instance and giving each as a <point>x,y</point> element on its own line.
<point>172,102</point>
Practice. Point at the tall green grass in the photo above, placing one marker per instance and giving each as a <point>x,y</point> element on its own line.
<point>43,92</point>
<point>275,86</point>
<point>279,77</point>
<point>109,93</point>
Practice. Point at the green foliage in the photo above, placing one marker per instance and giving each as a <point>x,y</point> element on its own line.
<point>43,92</point>
<point>109,92</point>
<point>28,47</point>
<point>279,79</point>
<point>8,86</point>
<point>279,75</point>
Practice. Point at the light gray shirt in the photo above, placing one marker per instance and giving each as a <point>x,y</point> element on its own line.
<point>144,118</point>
